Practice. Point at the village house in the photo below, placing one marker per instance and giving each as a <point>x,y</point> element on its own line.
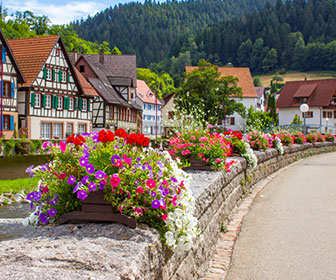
<point>151,118</point>
<point>10,76</point>
<point>249,95</point>
<point>167,113</point>
<point>320,95</point>
<point>51,101</point>
<point>114,79</point>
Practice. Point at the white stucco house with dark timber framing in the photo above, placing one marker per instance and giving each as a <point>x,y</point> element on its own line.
<point>51,102</point>
<point>249,95</point>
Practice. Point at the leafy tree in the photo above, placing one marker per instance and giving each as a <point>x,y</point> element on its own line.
<point>244,53</point>
<point>296,120</point>
<point>257,82</point>
<point>257,120</point>
<point>271,108</point>
<point>270,61</point>
<point>204,89</point>
<point>115,50</point>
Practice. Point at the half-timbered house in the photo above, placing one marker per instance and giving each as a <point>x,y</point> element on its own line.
<point>114,78</point>
<point>10,75</point>
<point>52,102</point>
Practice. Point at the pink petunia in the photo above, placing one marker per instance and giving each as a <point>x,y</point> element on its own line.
<point>115,180</point>
<point>151,183</point>
<point>62,146</point>
<point>139,189</point>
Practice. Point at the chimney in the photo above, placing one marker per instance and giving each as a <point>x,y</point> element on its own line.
<point>74,56</point>
<point>101,56</point>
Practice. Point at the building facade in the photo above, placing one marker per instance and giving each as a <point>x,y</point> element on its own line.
<point>151,110</point>
<point>51,102</point>
<point>10,76</point>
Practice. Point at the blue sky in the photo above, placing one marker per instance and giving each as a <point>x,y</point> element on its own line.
<point>61,11</point>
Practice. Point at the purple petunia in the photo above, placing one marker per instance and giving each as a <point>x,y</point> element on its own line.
<point>43,218</point>
<point>153,194</point>
<point>71,180</point>
<point>90,169</point>
<point>159,163</point>
<point>92,186</point>
<point>173,179</point>
<point>30,196</point>
<point>29,169</point>
<point>37,196</point>
<point>83,161</point>
<point>85,179</point>
<point>100,175</point>
<point>77,187</point>
<point>160,174</point>
<point>155,204</point>
<point>115,158</point>
<point>52,212</point>
<point>52,202</point>
<point>81,194</point>
<point>102,185</point>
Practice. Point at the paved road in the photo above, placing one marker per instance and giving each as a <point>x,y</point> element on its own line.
<point>290,231</point>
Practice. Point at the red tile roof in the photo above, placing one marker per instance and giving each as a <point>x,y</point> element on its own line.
<point>31,54</point>
<point>87,88</point>
<point>145,94</point>
<point>242,73</point>
<point>320,93</point>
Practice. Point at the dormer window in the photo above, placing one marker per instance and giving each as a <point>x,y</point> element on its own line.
<point>82,68</point>
<point>333,100</point>
<point>301,100</point>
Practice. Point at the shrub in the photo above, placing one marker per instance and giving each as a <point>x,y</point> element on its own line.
<point>330,137</point>
<point>286,138</point>
<point>320,137</point>
<point>311,138</point>
<point>299,138</point>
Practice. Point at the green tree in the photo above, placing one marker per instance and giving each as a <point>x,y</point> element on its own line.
<point>270,61</point>
<point>296,120</point>
<point>204,89</point>
<point>244,53</point>
<point>257,120</point>
<point>271,108</point>
<point>257,82</point>
<point>116,51</point>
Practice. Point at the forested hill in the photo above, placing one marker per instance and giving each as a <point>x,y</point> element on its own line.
<point>150,29</point>
<point>297,34</point>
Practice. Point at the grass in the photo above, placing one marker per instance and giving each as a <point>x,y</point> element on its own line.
<point>17,185</point>
<point>297,76</point>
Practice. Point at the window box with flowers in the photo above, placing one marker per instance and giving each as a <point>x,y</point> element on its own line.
<point>139,182</point>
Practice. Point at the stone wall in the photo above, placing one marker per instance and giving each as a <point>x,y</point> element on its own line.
<point>111,251</point>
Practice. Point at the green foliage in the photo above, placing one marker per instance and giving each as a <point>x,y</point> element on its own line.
<point>9,146</point>
<point>257,120</point>
<point>18,185</point>
<point>271,108</point>
<point>203,88</point>
<point>256,82</point>
<point>162,84</point>
<point>115,50</point>
<point>296,120</point>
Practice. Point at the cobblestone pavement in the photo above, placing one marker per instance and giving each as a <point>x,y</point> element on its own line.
<point>289,230</point>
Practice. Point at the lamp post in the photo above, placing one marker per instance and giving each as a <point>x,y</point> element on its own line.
<point>326,128</point>
<point>304,109</point>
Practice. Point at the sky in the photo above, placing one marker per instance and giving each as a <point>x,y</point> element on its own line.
<point>61,11</point>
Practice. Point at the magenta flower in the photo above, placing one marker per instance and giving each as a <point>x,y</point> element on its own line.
<point>115,180</point>
<point>71,180</point>
<point>52,212</point>
<point>139,189</point>
<point>100,175</point>
<point>151,183</point>
<point>62,146</point>
<point>114,158</point>
<point>90,169</point>
<point>45,145</point>
<point>155,204</point>
<point>82,194</point>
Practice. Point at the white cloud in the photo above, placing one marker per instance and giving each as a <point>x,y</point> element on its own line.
<point>58,14</point>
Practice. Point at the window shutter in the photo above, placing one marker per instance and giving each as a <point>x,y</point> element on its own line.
<point>11,124</point>
<point>53,74</point>
<point>12,89</point>
<point>43,101</point>
<point>3,54</point>
<point>232,121</point>
<point>66,102</point>
<point>75,103</point>
<point>45,73</point>
<point>88,105</point>
<point>55,100</point>
<point>68,78</point>
<point>60,75</point>
<point>32,99</point>
<point>80,104</point>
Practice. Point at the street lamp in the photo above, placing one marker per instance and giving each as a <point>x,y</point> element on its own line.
<point>304,109</point>
<point>326,129</point>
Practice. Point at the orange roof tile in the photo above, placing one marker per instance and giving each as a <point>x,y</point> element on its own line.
<point>145,94</point>
<point>87,88</point>
<point>31,54</point>
<point>242,73</point>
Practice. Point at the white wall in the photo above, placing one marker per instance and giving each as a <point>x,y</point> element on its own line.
<point>286,115</point>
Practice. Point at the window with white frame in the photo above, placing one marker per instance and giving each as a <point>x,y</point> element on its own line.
<point>144,106</point>
<point>60,103</point>
<point>57,130</point>
<point>84,108</point>
<point>64,76</point>
<point>71,103</point>
<point>69,129</point>
<point>49,74</point>
<point>154,107</point>
<point>144,117</point>
<point>81,128</point>
<point>48,101</point>
<point>38,100</point>
<point>46,131</point>
<point>148,117</point>
<point>149,106</point>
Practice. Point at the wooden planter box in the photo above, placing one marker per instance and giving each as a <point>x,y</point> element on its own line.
<point>96,209</point>
<point>197,164</point>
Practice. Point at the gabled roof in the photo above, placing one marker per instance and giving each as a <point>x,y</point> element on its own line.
<point>242,73</point>
<point>259,91</point>
<point>87,88</point>
<point>115,68</point>
<point>20,77</point>
<point>318,92</point>
<point>31,54</point>
<point>168,98</point>
<point>145,94</point>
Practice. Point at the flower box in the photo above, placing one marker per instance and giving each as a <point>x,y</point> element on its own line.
<point>197,164</point>
<point>96,209</point>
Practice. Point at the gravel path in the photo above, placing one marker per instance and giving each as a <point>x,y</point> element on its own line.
<point>290,231</point>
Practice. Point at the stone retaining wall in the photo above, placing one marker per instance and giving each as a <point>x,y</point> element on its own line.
<point>111,251</point>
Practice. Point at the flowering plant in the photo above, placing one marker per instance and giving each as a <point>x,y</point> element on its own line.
<point>259,140</point>
<point>330,137</point>
<point>299,138</point>
<point>286,138</point>
<point>311,138</point>
<point>276,143</point>
<point>241,147</point>
<point>320,137</point>
<point>212,148</point>
<point>139,182</point>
